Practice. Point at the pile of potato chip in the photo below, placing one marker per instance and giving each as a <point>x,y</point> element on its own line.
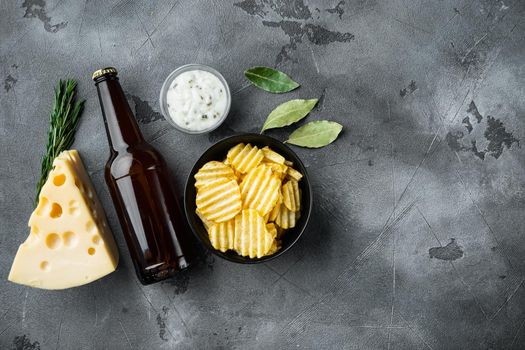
<point>249,200</point>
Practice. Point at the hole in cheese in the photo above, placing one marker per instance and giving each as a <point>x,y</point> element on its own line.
<point>44,265</point>
<point>43,206</point>
<point>95,239</point>
<point>91,251</point>
<point>35,229</point>
<point>59,180</point>
<point>74,208</point>
<point>53,241</point>
<point>56,211</point>
<point>70,239</point>
<point>90,226</point>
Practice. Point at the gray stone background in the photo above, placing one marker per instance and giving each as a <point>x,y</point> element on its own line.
<point>417,234</point>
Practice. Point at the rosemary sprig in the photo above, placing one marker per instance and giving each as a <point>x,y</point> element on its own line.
<point>63,124</point>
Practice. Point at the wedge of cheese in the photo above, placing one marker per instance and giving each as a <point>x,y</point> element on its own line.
<point>69,243</point>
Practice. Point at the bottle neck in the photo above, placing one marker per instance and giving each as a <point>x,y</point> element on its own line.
<point>121,127</point>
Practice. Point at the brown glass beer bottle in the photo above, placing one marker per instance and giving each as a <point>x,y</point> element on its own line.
<point>156,231</point>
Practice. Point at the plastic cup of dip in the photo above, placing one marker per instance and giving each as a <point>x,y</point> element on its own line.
<point>195,99</point>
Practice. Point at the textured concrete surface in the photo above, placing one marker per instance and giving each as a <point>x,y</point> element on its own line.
<point>417,236</point>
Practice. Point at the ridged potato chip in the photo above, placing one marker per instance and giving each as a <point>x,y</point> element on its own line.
<point>272,229</point>
<point>286,218</point>
<point>220,200</point>
<point>233,152</point>
<point>260,189</point>
<point>288,163</point>
<point>291,195</point>
<point>278,169</point>
<point>272,156</point>
<point>245,159</point>
<point>207,223</point>
<point>276,246</point>
<point>275,210</point>
<point>251,237</point>
<point>294,174</point>
<point>222,235</point>
<point>212,171</point>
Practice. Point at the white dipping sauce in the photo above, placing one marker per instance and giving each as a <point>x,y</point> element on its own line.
<point>196,100</point>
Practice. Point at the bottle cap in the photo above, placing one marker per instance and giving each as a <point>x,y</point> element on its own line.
<point>101,72</point>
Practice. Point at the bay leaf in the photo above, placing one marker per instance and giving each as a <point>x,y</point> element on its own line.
<point>288,113</point>
<point>315,134</point>
<point>270,79</point>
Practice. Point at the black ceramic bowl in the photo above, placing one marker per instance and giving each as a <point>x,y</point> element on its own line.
<point>218,152</point>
